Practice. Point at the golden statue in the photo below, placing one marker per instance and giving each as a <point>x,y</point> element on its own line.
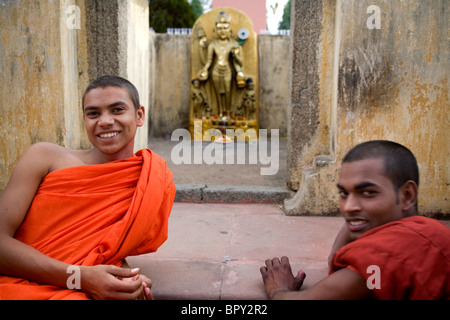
<point>247,108</point>
<point>199,99</point>
<point>224,71</point>
<point>221,51</point>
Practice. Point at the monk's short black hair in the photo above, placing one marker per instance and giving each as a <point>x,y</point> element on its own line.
<point>114,81</point>
<point>400,165</point>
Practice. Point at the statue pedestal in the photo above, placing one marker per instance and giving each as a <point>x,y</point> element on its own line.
<point>228,128</point>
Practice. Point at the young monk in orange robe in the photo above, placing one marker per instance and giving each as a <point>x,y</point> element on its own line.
<point>384,250</point>
<point>88,208</point>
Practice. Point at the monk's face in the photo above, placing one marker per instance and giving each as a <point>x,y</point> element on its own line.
<point>111,119</point>
<point>368,198</point>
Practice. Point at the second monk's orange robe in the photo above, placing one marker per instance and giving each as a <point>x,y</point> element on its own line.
<point>95,214</point>
<point>412,256</point>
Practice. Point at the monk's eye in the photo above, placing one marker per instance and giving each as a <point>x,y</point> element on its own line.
<point>92,114</point>
<point>368,193</point>
<point>118,109</point>
<point>343,194</point>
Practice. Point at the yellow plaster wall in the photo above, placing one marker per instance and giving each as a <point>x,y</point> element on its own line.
<point>35,62</point>
<point>388,83</point>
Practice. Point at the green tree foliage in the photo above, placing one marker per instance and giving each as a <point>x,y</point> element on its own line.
<point>197,5</point>
<point>171,14</point>
<point>285,23</point>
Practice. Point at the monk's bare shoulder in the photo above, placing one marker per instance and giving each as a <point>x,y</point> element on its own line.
<point>46,147</point>
<point>38,158</point>
<point>48,157</point>
<point>36,162</point>
<point>28,173</point>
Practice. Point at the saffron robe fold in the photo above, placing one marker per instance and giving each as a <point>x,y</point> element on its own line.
<point>95,214</point>
<point>413,256</point>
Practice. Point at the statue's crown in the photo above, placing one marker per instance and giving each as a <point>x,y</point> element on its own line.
<point>222,18</point>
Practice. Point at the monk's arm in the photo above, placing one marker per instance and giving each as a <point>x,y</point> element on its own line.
<point>16,258</point>
<point>21,260</point>
<point>280,284</point>
<point>342,238</point>
<point>344,284</point>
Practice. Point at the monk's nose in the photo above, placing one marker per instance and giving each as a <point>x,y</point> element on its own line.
<point>351,204</point>
<point>106,120</point>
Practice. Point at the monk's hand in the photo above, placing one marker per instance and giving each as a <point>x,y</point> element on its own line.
<point>277,276</point>
<point>146,287</point>
<point>108,282</point>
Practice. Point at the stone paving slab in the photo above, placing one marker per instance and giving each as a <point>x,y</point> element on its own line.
<point>214,251</point>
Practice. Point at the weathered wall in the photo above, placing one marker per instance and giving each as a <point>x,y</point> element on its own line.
<point>388,83</point>
<point>136,42</point>
<point>172,81</point>
<point>170,107</point>
<point>38,79</point>
<point>273,81</point>
<point>49,51</point>
<point>311,123</point>
<point>152,80</point>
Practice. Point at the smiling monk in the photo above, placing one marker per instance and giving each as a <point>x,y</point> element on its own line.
<point>384,250</point>
<point>87,209</point>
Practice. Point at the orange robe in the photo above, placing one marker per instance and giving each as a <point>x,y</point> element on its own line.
<point>95,214</point>
<point>413,256</point>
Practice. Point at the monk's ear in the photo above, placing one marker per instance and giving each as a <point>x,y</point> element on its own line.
<point>140,116</point>
<point>408,196</point>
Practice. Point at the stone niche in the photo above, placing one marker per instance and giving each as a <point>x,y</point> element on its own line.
<point>224,75</point>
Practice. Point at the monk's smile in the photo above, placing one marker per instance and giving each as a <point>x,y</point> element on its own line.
<point>357,224</point>
<point>108,136</point>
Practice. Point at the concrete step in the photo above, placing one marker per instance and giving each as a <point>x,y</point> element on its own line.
<point>231,194</point>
